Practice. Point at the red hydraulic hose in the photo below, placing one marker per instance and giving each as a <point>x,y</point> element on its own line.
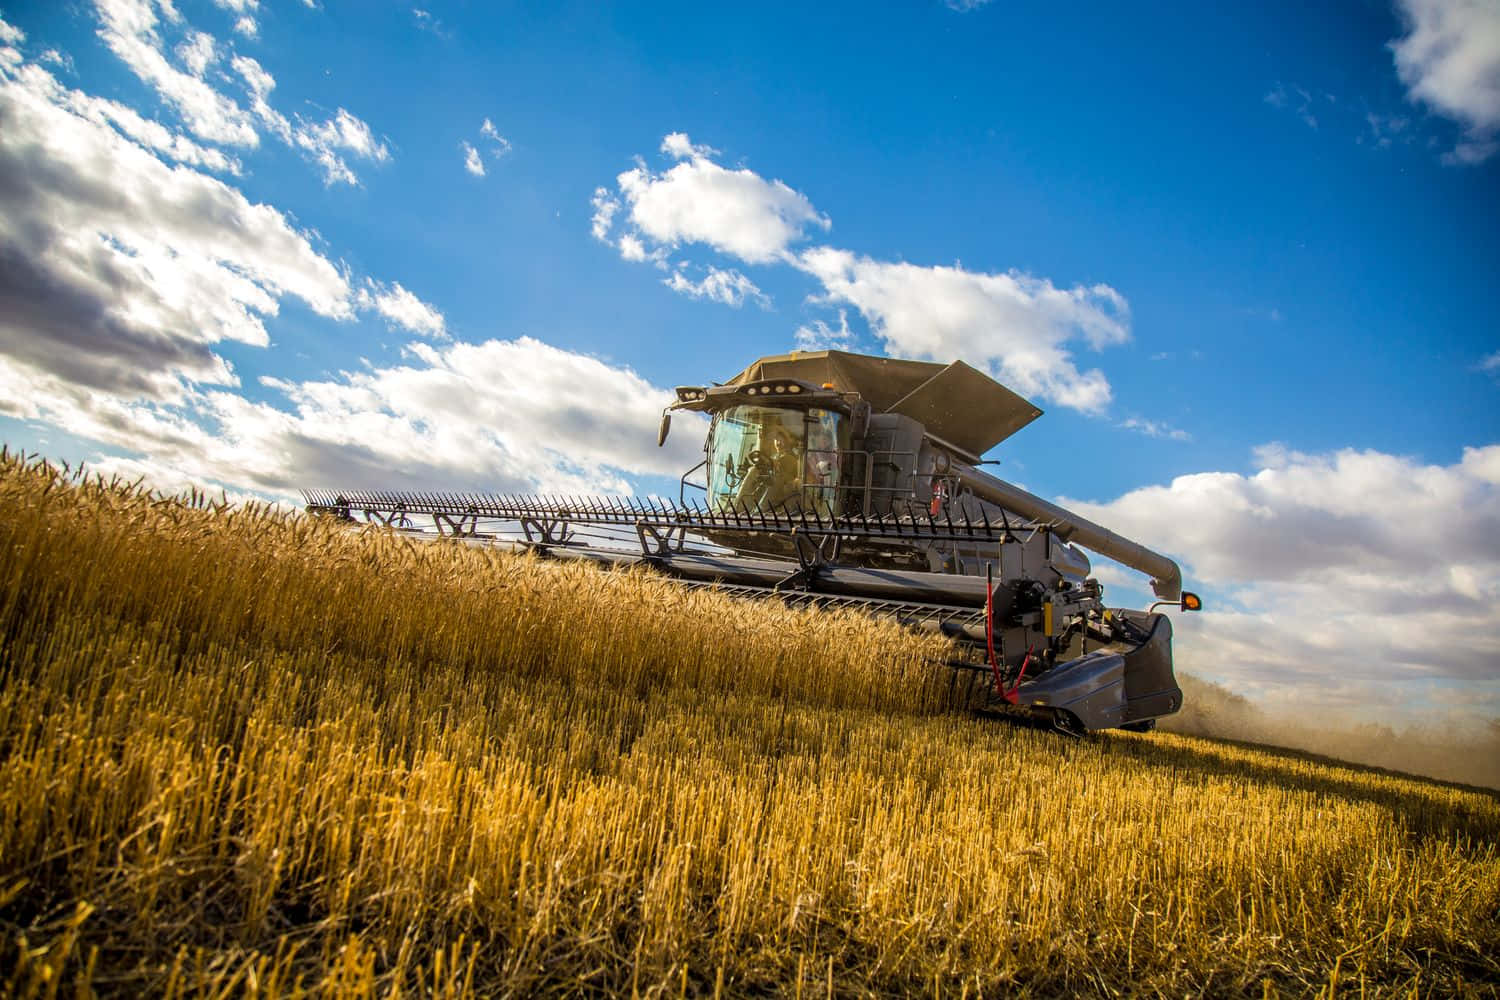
<point>989,628</point>
<point>989,639</point>
<point>1010,695</point>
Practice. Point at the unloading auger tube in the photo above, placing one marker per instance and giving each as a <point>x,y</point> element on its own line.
<point>1166,577</point>
<point>832,479</point>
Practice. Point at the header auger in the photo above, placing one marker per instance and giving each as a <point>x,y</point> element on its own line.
<point>838,479</point>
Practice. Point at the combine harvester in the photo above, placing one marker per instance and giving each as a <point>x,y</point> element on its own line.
<point>845,480</point>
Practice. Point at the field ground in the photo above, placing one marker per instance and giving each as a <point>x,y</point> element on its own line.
<point>249,754</point>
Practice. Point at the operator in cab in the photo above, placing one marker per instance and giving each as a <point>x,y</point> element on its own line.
<point>773,458</point>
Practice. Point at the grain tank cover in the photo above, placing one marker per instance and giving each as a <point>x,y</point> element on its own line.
<point>958,404</point>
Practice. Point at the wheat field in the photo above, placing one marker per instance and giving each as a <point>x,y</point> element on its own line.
<point>248,753</point>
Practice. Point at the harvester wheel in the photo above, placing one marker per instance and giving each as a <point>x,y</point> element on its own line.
<point>1067,723</point>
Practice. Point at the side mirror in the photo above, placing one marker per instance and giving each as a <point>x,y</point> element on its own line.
<point>666,425</point>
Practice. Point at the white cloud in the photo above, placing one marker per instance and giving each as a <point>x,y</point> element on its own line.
<point>605,207</point>
<point>121,271</point>
<point>1155,429</point>
<point>402,308</point>
<point>678,146</point>
<point>1018,325</point>
<point>819,336</point>
<point>736,212</point>
<point>499,145</point>
<point>631,248</point>
<point>245,24</point>
<point>259,84</point>
<point>343,133</point>
<point>1449,59</point>
<point>129,29</point>
<point>1387,129</point>
<point>1014,323</point>
<point>499,416</point>
<point>1298,99</point>
<point>426,22</point>
<point>1347,572</point>
<point>1490,363</point>
<point>472,163</point>
<point>324,142</point>
<point>10,34</point>
<point>61,60</point>
<point>131,124</point>
<point>168,480</point>
<point>197,52</point>
<point>729,287</point>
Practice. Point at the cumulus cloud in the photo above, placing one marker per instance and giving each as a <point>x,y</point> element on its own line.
<point>819,335</point>
<point>121,271</point>
<point>736,212</point>
<point>1155,429</point>
<point>1016,324</point>
<point>61,60</point>
<point>326,143</point>
<point>245,24</point>
<point>603,219</point>
<point>500,416</point>
<point>1297,99</point>
<point>151,134</point>
<point>728,287</point>
<point>1449,60</point>
<point>259,84</point>
<point>631,248</point>
<point>1355,577</point>
<point>426,22</point>
<point>472,163</point>
<point>129,29</point>
<point>494,142</point>
<point>499,145</point>
<point>197,52</point>
<point>678,146</point>
<point>1386,129</point>
<point>402,309</point>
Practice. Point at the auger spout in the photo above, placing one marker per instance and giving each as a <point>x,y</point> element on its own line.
<point>1166,577</point>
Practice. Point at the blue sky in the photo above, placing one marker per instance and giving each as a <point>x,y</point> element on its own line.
<point>1246,259</point>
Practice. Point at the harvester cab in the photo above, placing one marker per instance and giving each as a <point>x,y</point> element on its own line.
<point>839,479</point>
